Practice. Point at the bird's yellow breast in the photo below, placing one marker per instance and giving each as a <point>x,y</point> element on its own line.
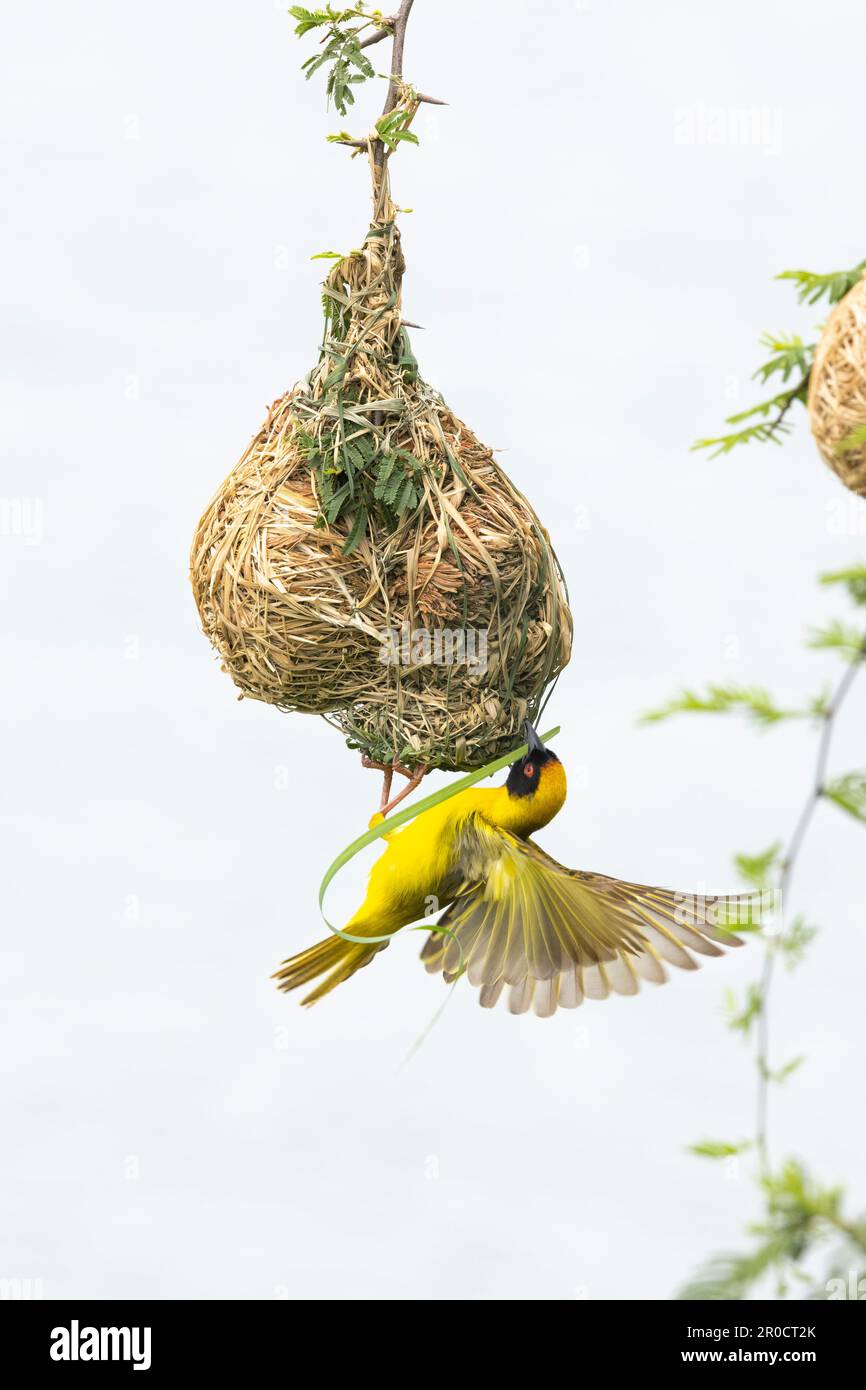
<point>415,864</point>
<point>405,882</point>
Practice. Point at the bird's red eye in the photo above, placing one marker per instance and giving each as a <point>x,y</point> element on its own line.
<point>528,770</point>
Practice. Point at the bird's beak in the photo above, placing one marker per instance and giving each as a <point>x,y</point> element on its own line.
<point>534,742</point>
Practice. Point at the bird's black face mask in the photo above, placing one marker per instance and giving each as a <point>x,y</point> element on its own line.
<point>523,776</point>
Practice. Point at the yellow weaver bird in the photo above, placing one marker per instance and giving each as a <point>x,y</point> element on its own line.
<point>516,920</point>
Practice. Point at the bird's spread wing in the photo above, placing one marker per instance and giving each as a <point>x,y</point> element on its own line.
<point>553,936</point>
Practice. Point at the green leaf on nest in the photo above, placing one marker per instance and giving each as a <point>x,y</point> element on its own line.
<point>357,532</point>
<point>855,440</point>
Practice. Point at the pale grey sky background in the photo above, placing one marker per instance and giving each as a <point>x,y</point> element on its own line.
<point>592,286</point>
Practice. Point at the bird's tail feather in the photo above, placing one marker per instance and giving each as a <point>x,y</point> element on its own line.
<point>335,958</point>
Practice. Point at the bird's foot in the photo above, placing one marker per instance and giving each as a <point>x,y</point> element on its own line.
<point>388,771</point>
<point>414,776</point>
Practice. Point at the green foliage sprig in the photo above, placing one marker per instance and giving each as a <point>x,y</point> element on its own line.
<point>718,1148</point>
<point>800,1215</point>
<point>342,48</point>
<point>839,637</point>
<point>347,33</point>
<point>849,793</point>
<point>833,286</point>
<point>753,701</point>
<point>854,579</point>
<point>768,422</point>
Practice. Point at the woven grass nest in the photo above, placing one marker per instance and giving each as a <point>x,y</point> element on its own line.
<point>366,539</point>
<point>837,390</point>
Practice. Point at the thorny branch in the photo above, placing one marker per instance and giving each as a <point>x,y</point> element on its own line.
<point>394,26</point>
<point>384,32</point>
<point>788,866</point>
<point>400,21</point>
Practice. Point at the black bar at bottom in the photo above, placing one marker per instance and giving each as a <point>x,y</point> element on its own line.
<point>156,1339</point>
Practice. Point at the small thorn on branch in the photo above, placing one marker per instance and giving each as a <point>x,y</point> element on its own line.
<point>431,101</point>
<point>407,323</point>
